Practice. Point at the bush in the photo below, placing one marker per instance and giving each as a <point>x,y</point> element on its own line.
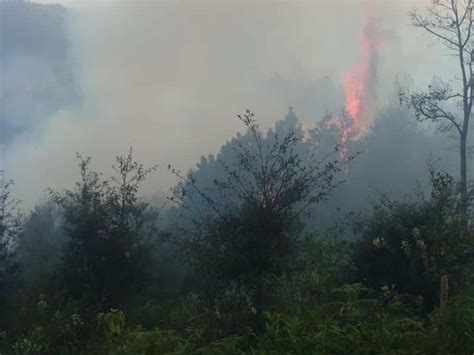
<point>407,246</point>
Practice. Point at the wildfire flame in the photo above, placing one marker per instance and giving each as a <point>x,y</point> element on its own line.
<point>359,86</point>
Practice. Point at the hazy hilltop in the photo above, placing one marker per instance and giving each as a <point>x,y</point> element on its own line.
<point>36,66</point>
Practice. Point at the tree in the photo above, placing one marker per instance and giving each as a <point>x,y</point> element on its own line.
<point>110,230</point>
<point>39,248</point>
<point>451,23</point>
<point>11,222</point>
<point>410,244</point>
<point>246,226</point>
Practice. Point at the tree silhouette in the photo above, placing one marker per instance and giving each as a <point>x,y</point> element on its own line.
<point>451,23</point>
<point>11,221</point>
<point>109,229</point>
<point>247,225</point>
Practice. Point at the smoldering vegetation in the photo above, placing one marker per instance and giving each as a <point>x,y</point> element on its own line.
<point>333,216</point>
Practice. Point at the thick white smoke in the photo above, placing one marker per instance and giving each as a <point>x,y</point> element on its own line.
<point>168,79</point>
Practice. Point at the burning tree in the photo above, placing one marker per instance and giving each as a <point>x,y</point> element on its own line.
<point>451,23</point>
<point>360,83</point>
<point>244,228</point>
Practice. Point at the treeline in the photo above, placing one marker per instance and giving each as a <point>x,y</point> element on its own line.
<point>237,265</point>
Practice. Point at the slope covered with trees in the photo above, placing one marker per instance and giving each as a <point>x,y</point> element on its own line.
<point>269,247</point>
<point>243,264</point>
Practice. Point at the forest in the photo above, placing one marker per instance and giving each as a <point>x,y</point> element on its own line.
<point>351,236</point>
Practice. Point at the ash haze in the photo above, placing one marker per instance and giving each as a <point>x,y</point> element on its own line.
<point>168,78</point>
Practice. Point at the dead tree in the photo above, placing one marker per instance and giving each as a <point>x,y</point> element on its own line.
<point>449,103</point>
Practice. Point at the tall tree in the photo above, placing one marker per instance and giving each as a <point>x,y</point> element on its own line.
<point>247,222</point>
<point>11,222</point>
<point>109,229</point>
<point>451,23</point>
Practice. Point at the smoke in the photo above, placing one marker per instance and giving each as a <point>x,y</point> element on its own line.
<point>169,78</point>
<point>35,67</point>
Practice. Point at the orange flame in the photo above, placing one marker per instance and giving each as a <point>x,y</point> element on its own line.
<point>359,88</point>
<point>359,84</point>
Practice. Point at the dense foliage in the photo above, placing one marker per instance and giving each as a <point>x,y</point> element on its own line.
<point>238,267</point>
<point>246,231</point>
<point>408,245</point>
<point>109,232</point>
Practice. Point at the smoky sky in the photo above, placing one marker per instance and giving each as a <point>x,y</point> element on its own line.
<point>168,78</point>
